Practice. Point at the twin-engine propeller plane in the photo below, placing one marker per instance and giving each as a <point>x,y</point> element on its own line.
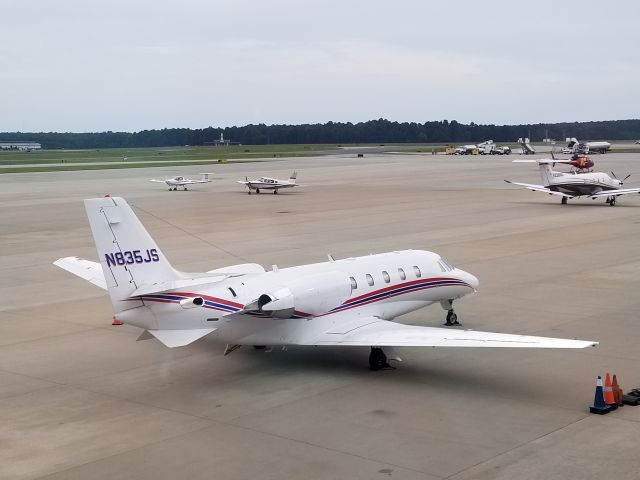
<point>267,183</point>
<point>181,181</point>
<point>349,302</point>
<point>579,182</point>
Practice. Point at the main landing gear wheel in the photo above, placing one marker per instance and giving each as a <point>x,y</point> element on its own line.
<point>452,319</point>
<point>377,359</point>
<point>275,192</point>
<point>257,190</point>
<point>563,201</point>
<point>612,202</point>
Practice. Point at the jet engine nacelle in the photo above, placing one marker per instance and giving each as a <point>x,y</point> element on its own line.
<point>192,302</point>
<point>313,295</point>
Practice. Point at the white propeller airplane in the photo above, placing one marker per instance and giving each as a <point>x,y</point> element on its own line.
<point>267,183</point>
<point>340,302</point>
<point>577,183</point>
<point>181,181</point>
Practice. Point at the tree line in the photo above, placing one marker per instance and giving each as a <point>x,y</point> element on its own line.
<point>373,131</point>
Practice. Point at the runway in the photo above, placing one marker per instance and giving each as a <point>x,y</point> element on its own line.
<point>81,399</point>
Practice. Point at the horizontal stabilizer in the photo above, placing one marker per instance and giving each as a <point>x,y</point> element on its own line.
<point>240,269</point>
<point>175,285</point>
<point>90,271</point>
<point>539,188</point>
<point>544,161</point>
<point>180,338</point>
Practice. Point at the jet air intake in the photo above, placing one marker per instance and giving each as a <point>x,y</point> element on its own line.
<point>192,302</point>
<point>309,296</point>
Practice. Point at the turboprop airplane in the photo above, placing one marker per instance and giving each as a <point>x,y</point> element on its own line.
<point>348,302</point>
<point>181,181</point>
<point>577,183</point>
<point>267,183</point>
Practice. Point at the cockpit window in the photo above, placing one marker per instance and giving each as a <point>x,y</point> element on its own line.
<point>444,265</point>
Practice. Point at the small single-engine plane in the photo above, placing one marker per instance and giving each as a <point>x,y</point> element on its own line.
<point>181,181</point>
<point>346,302</point>
<point>579,182</point>
<point>267,183</point>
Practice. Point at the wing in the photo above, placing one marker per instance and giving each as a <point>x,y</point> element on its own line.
<point>371,331</point>
<point>539,188</point>
<point>622,191</point>
<point>157,181</point>
<point>90,271</point>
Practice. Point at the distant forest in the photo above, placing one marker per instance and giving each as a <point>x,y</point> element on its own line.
<point>375,131</point>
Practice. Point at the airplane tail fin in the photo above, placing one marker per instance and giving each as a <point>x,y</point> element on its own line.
<point>546,174</point>
<point>293,177</point>
<point>128,255</point>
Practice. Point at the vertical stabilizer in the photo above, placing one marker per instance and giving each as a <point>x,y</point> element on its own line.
<point>128,255</point>
<point>293,177</point>
<point>545,173</point>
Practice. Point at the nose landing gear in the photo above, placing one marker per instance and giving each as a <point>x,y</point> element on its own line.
<point>452,318</point>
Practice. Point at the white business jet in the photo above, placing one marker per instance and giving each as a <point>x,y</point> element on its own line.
<point>347,302</point>
<point>577,183</point>
<point>181,181</point>
<point>267,183</point>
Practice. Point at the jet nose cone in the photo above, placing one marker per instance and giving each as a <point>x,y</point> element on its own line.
<point>471,280</point>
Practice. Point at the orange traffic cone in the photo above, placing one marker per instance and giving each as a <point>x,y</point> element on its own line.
<point>116,321</point>
<point>617,391</point>
<point>608,393</point>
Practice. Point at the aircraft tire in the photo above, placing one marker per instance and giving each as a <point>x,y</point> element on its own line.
<point>377,359</point>
<point>612,203</point>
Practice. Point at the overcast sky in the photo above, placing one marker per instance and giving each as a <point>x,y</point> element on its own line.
<point>84,65</point>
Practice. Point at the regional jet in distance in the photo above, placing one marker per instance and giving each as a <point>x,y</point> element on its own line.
<point>346,302</point>
<point>267,183</point>
<point>181,181</point>
<point>577,183</point>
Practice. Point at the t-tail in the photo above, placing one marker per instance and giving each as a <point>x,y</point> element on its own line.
<point>129,257</point>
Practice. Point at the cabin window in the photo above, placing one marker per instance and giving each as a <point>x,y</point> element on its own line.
<point>417,271</point>
<point>403,276</point>
<point>385,276</point>
<point>354,284</point>
<point>370,280</point>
